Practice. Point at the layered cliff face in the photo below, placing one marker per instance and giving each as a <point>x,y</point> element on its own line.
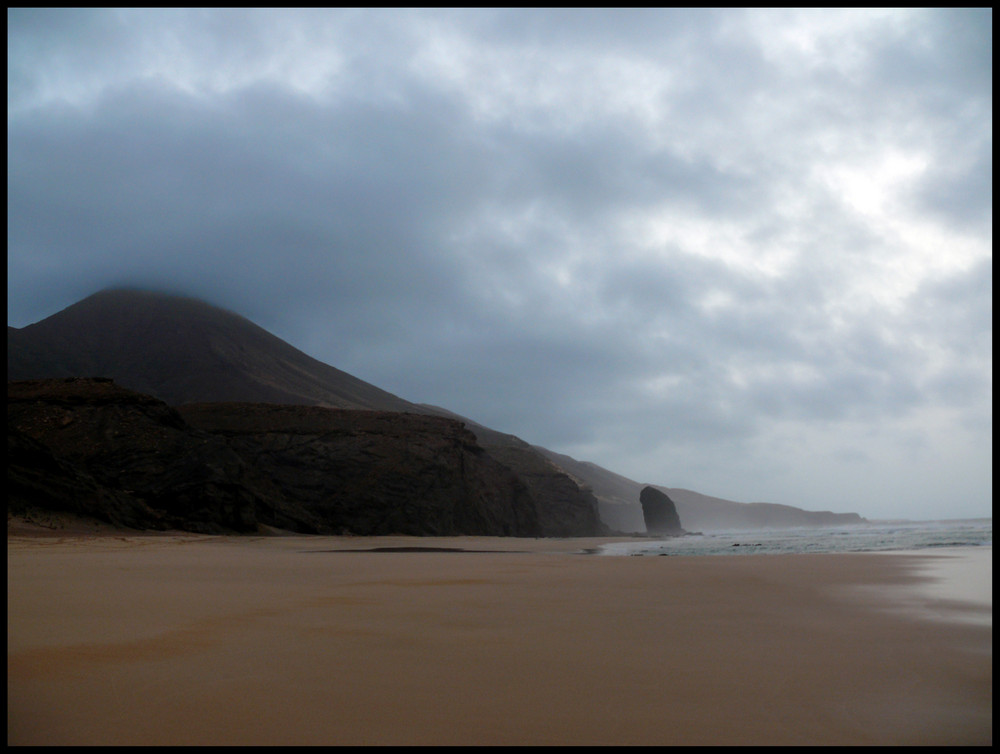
<point>91,447</point>
<point>375,472</point>
<point>565,509</point>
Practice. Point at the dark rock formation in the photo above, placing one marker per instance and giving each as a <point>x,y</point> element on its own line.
<point>375,472</point>
<point>91,447</point>
<point>182,351</point>
<point>620,510</point>
<point>659,513</point>
<point>38,480</point>
<point>565,509</point>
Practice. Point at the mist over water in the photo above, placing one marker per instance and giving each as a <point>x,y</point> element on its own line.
<point>870,537</point>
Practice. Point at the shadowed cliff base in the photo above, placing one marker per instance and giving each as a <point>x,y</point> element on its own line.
<point>90,447</point>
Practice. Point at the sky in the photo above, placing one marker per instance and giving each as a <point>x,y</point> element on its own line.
<point>742,252</point>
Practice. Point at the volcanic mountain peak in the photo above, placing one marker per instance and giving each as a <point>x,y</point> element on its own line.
<point>182,350</point>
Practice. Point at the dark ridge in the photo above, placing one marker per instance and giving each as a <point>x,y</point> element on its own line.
<point>182,351</point>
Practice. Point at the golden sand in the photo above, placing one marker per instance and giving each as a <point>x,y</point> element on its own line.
<point>319,640</point>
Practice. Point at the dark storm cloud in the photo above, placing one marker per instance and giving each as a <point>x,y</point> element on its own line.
<point>712,249</point>
<point>264,185</point>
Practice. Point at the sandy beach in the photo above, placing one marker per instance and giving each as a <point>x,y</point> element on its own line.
<point>182,640</point>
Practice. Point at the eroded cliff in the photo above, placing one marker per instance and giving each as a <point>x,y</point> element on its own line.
<point>89,446</point>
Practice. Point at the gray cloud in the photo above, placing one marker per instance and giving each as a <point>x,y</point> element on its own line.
<point>746,252</point>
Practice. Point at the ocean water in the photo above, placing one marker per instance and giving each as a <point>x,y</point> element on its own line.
<point>961,579</point>
<point>875,536</point>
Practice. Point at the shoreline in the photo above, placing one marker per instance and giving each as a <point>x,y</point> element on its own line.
<point>187,639</point>
<point>951,584</point>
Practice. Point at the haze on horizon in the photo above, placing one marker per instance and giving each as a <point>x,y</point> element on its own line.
<point>743,252</point>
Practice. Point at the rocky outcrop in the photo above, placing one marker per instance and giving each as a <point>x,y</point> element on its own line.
<point>39,480</point>
<point>375,472</point>
<point>565,509</point>
<point>91,447</point>
<point>620,509</point>
<point>659,513</point>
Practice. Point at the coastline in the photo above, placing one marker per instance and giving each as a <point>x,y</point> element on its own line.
<point>947,584</point>
<point>186,639</point>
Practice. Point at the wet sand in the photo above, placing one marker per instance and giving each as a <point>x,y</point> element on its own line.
<point>181,639</point>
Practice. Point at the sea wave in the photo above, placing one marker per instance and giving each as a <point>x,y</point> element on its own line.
<point>868,537</point>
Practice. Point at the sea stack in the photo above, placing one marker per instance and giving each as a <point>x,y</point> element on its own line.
<point>659,513</point>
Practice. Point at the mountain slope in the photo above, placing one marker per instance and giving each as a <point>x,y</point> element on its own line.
<point>618,497</point>
<point>182,350</point>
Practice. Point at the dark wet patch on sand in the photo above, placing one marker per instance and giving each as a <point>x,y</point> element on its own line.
<point>410,548</point>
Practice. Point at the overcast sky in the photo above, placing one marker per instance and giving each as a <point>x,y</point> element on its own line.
<point>747,253</point>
